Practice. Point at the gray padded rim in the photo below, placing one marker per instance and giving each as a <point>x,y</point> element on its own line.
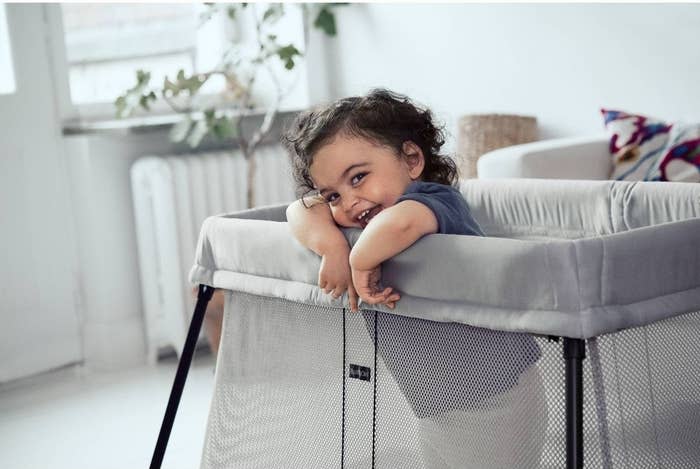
<point>577,288</point>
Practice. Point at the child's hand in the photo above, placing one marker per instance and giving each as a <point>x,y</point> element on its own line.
<point>334,276</point>
<point>367,284</point>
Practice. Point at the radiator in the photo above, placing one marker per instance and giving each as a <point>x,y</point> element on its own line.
<point>172,195</point>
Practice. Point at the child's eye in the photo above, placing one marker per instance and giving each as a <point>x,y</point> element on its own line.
<point>332,198</point>
<point>357,178</point>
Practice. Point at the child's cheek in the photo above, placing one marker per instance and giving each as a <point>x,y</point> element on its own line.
<point>340,218</point>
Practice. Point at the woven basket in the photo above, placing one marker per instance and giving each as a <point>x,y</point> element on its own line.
<point>481,133</point>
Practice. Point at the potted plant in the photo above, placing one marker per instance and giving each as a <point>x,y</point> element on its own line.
<point>240,69</point>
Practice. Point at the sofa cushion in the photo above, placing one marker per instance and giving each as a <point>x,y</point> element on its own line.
<point>636,143</point>
<point>680,160</point>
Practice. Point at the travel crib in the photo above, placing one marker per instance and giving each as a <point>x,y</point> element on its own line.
<point>589,289</point>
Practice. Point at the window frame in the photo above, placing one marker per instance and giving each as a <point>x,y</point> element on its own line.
<point>101,116</point>
<point>72,114</point>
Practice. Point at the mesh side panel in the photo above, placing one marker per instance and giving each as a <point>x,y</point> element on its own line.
<point>641,398</point>
<point>300,386</point>
<point>674,364</point>
<point>278,398</point>
<point>467,397</point>
<point>651,381</point>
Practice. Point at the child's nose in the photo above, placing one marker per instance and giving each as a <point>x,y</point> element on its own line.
<point>349,203</point>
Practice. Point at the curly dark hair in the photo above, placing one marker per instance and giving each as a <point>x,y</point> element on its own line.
<point>382,116</point>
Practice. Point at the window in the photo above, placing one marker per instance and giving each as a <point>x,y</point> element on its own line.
<point>107,43</point>
<point>7,72</point>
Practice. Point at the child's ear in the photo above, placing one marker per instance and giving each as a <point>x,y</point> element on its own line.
<point>415,160</point>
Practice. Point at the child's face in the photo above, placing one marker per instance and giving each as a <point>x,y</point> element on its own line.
<point>359,178</point>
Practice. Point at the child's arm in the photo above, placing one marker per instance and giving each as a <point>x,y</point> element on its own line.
<point>315,229</point>
<point>390,232</point>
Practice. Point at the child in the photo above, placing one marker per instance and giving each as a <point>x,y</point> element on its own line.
<point>375,163</point>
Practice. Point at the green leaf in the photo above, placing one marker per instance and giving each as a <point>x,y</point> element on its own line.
<point>209,115</point>
<point>120,104</point>
<point>287,54</point>
<point>325,21</point>
<point>142,77</point>
<point>273,13</point>
<point>137,95</point>
<point>145,99</point>
<point>223,128</point>
<point>182,83</point>
<point>169,86</point>
<point>179,131</point>
<point>231,12</point>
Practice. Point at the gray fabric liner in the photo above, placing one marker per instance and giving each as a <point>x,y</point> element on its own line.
<point>636,259</point>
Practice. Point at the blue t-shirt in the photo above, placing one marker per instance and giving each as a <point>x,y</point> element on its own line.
<point>448,205</point>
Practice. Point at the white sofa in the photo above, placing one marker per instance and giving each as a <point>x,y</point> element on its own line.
<point>563,158</point>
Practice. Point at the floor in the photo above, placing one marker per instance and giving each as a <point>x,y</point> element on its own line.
<point>73,419</point>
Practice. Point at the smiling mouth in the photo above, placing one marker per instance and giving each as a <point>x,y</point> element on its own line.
<point>365,217</point>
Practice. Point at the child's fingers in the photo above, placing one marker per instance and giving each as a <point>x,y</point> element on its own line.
<point>325,288</point>
<point>387,297</point>
<point>391,299</point>
<point>382,297</point>
<point>394,297</point>
<point>352,296</point>
<point>372,298</point>
<point>390,294</point>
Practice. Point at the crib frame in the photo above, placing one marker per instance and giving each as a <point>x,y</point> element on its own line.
<point>577,306</point>
<point>573,352</point>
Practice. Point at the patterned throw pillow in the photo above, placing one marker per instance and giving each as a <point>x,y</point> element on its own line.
<point>636,143</point>
<point>680,160</point>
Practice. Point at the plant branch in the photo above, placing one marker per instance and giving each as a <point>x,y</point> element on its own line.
<point>240,69</point>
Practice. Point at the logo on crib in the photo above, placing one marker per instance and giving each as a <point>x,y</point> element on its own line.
<point>360,372</point>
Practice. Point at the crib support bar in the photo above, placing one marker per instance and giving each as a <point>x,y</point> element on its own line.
<point>574,354</point>
<point>205,294</point>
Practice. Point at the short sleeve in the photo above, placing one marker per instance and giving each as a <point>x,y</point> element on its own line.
<point>448,205</point>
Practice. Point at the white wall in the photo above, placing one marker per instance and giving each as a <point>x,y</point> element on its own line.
<point>558,62</point>
<point>112,317</point>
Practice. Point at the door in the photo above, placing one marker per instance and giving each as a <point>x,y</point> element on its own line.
<point>39,326</point>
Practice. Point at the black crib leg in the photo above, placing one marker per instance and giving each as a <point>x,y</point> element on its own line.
<point>574,353</point>
<point>205,293</point>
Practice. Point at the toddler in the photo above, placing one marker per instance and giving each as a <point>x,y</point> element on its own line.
<point>374,163</point>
